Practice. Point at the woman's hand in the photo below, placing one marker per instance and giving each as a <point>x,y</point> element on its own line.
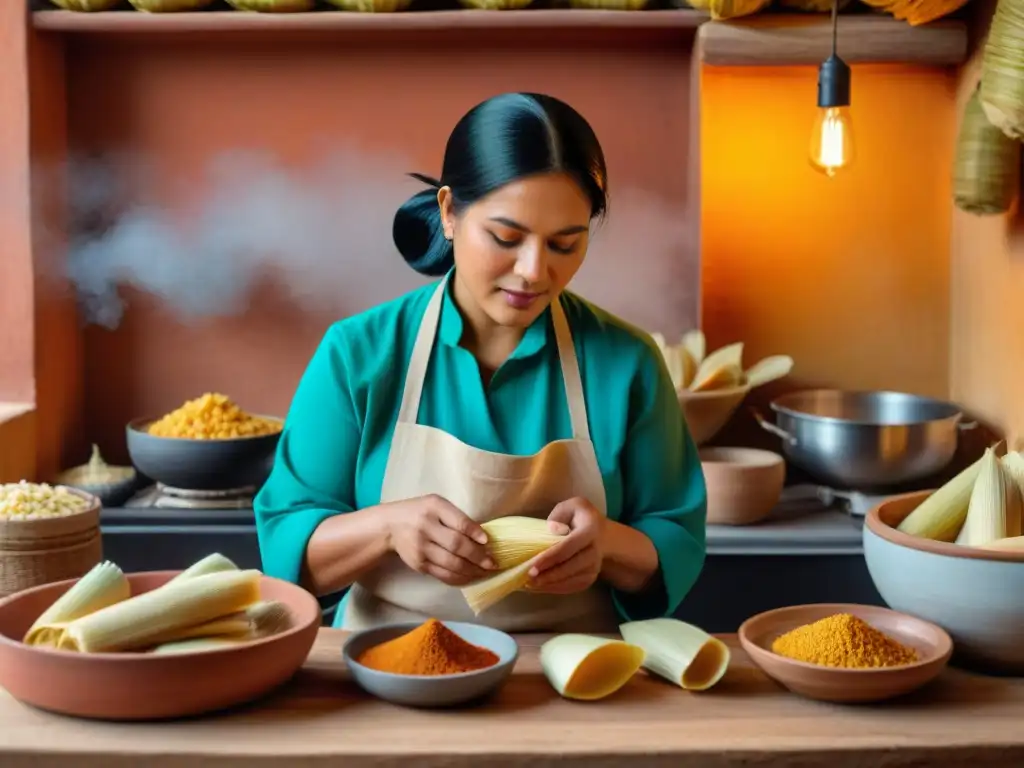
<point>434,537</point>
<point>571,565</point>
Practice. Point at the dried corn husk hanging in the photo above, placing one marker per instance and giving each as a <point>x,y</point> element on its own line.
<point>1002,69</point>
<point>371,6</point>
<point>729,9</point>
<point>273,6</point>
<point>811,6</point>
<point>87,6</point>
<point>917,12</point>
<point>987,164</point>
<point>170,6</point>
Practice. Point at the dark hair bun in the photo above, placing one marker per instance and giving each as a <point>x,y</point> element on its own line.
<point>419,235</point>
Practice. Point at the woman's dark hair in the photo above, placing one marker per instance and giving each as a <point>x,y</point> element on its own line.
<point>497,142</point>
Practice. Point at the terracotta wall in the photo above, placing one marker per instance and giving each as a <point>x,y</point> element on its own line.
<point>987,312</point>
<point>300,100</point>
<point>848,275</point>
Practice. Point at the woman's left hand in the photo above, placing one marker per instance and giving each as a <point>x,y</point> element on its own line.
<point>571,565</point>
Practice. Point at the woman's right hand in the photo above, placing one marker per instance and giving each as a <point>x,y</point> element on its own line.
<point>435,538</point>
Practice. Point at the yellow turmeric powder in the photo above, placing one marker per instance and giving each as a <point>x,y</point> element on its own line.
<point>843,640</point>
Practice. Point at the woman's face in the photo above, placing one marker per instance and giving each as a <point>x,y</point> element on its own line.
<point>517,248</point>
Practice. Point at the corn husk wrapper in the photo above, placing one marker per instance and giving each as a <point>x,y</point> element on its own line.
<point>987,163</point>
<point>1002,70</point>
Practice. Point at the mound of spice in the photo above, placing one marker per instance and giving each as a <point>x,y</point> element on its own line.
<point>843,640</point>
<point>430,649</point>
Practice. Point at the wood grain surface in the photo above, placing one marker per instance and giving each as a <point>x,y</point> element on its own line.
<point>322,719</point>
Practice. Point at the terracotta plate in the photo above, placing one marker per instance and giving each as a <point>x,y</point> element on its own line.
<point>933,645</point>
<point>135,686</point>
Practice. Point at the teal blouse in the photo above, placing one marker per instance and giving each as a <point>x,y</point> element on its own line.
<point>336,438</point>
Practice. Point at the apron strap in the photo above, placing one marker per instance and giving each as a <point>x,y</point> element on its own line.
<point>424,344</point>
<point>574,396</point>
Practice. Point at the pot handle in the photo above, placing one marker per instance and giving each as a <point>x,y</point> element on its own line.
<point>963,426</point>
<point>767,426</point>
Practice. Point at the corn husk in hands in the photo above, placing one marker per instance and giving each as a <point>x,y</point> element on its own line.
<point>273,6</point>
<point>1002,70</point>
<point>987,163</point>
<point>87,6</point>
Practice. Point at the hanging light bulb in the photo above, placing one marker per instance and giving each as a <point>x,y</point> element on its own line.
<point>832,134</point>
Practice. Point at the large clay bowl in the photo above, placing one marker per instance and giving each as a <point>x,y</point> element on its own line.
<point>138,686</point>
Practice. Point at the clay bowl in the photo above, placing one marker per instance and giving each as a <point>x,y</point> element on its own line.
<point>433,691</point>
<point>130,686</point>
<point>847,686</point>
<point>201,465</point>
<point>744,484</point>
<point>974,594</point>
<point>707,412</point>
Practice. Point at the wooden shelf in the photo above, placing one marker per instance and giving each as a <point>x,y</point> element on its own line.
<point>467,20</point>
<point>863,38</point>
<point>770,40</point>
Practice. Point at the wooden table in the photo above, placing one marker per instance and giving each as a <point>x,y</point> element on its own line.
<point>322,719</point>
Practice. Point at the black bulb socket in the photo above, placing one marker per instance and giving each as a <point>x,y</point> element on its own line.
<point>833,83</point>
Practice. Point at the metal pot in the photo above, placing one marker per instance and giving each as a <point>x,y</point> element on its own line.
<point>866,439</point>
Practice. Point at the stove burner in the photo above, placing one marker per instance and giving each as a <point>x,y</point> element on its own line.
<point>161,496</point>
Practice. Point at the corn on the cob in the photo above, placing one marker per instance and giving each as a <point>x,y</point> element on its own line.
<point>941,516</point>
<point>994,510</point>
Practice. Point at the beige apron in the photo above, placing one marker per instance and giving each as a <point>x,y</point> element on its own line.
<point>485,485</point>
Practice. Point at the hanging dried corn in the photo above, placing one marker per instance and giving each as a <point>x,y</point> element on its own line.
<point>987,164</point>
<point>1002,69</point>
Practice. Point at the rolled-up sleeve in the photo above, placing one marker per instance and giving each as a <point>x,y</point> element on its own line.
<point>313,477</point>
<point>664,495</point>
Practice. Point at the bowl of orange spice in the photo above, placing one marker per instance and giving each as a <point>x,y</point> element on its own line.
<point>433,664</point>
<point>207,444</point>
<point>846,653</point>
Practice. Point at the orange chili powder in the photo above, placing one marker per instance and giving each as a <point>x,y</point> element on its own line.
<point>430,649</point>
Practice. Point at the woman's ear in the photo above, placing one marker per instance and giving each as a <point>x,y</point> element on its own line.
<point>445,202</point>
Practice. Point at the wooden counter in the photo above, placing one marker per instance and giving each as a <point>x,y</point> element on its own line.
<point>321,719</point>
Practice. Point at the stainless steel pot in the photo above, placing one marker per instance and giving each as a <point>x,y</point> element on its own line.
<point>866,439</point>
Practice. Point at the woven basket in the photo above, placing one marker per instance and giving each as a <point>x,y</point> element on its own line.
<point>371,6</point>
<point>273,6</point>
<point>169,6</point>
<point>986,165</point>
<point>36,552</point>
<point>87,6</point>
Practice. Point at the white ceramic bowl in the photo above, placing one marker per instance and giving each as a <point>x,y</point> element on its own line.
<point>976,596</point>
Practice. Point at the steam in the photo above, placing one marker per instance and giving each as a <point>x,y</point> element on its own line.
<point>322,234</point>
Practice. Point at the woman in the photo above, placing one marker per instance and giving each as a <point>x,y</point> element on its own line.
<point>491,392</point>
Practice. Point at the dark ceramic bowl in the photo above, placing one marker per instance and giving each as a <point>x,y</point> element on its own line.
<point>201,465</point>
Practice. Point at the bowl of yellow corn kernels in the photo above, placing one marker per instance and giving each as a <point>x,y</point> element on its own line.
<point>208,444</point>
